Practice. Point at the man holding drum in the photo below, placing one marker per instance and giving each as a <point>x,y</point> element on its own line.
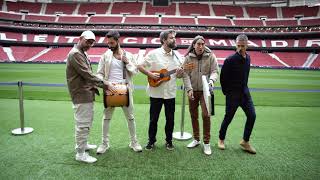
<point>117,67</point>
<point>82,85</point>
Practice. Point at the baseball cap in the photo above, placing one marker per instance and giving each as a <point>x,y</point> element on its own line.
<point>88,35</point>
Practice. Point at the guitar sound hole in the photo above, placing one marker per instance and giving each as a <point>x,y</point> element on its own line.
<point>161,75</point>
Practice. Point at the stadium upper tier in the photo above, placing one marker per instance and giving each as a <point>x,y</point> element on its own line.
<point>153,22</point>
<point>59,55</point>
<point>135,15</point>
<point>50,30</point>
<point>54,48</point>
<point>146,8</point>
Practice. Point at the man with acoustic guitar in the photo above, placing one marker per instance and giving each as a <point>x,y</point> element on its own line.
<point>117,67</point>
<point>160,65</point>
<point>206,64</point>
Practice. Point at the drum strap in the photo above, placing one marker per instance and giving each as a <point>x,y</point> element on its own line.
<point>124,67</point>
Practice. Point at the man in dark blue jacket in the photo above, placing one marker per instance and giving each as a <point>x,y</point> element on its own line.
<point>234,82</point>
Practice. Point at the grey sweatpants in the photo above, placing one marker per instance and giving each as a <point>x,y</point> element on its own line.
<point>83,116</point>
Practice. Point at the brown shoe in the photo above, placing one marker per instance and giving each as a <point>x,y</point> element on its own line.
<point>221,144</point>
<point>247,147</point>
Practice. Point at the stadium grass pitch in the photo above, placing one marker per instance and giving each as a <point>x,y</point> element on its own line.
<point>286,134</point>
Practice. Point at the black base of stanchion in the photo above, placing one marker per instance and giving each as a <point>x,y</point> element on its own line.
<point>181,136</point>
<point>20,131</point>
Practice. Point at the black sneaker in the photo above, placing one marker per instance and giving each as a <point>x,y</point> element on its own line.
<point>169,146</point>
<point>149,146</point>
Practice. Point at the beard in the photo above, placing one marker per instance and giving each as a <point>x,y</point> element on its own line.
<point>172,45</point>
<point>113,49</point>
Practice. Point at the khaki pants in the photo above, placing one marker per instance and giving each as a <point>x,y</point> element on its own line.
<point>83,116</point>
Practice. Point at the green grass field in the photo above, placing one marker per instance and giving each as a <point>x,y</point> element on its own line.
<point>286,134</point>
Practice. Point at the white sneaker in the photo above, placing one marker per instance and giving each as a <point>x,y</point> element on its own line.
<point>135,146</point>
<point>193,144</point>
<point>103,148</point>
<point>88,147</point>
<point>85,157</point>
<point>207,149</point>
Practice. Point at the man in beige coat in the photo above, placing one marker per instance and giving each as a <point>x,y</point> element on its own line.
<point>82,85</point>
<point>205,63</point>
<point>117,66</point>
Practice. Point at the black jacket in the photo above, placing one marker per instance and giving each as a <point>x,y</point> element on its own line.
<point>234,75</point>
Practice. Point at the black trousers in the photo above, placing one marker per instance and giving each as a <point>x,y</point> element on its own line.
<point>232,104</point>
<point>155,109</point>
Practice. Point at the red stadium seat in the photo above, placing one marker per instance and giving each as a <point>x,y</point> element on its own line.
<point>24,6</point>
<point>153,10</point>
<point>187,9</point>
<point>97,8</point>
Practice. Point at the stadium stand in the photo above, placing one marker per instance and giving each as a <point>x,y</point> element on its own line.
<point>264,59</point>
<point>3,55</point>
<point>256,12</point>
<point>280,22</point>
<point>154,10</point>
<point>53,55</point>
<point>49,37</point>
<point>141,20</point>
<point>98,8</point>
<point>214,21</point>
<point>290,12</point>
<point>57,8</point>
<point>105,19</point>
<point>223,10</point>
<point>316,62</point>
<point>72,19</point>
<point>24,6</point>
<point>127,8</point>
<point>293,59</point>
<point>306,22</point>
<point>24,54</point>
<point>178,21</point>
<point>241,22</point>
<point>8,15</point>
<point>41,18</point>
<point>189,9</point>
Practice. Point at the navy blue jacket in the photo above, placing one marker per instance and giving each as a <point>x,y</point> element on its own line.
<point>234,75</point>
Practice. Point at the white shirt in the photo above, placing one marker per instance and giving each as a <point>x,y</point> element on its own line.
<point>156,60</point>
<point>116,71</point>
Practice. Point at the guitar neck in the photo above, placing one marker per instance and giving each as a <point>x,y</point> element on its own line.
<point>169,73</point>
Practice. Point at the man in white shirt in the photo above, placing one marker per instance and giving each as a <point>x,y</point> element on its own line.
<point>117,66</point>
<point>165,92</point>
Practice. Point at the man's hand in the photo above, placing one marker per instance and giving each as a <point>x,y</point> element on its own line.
<point>125,59</point>
<point>179,72</point>
<point>211,83</point>
<point>154,75</point>
<point>190,95</point>
<point>112,88</point>
<point>211,86</point>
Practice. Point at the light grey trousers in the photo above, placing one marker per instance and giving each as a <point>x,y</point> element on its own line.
<point>83,116</point>
<point>128,112</point>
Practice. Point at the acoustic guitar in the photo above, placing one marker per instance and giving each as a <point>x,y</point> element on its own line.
<point>165,75</point>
